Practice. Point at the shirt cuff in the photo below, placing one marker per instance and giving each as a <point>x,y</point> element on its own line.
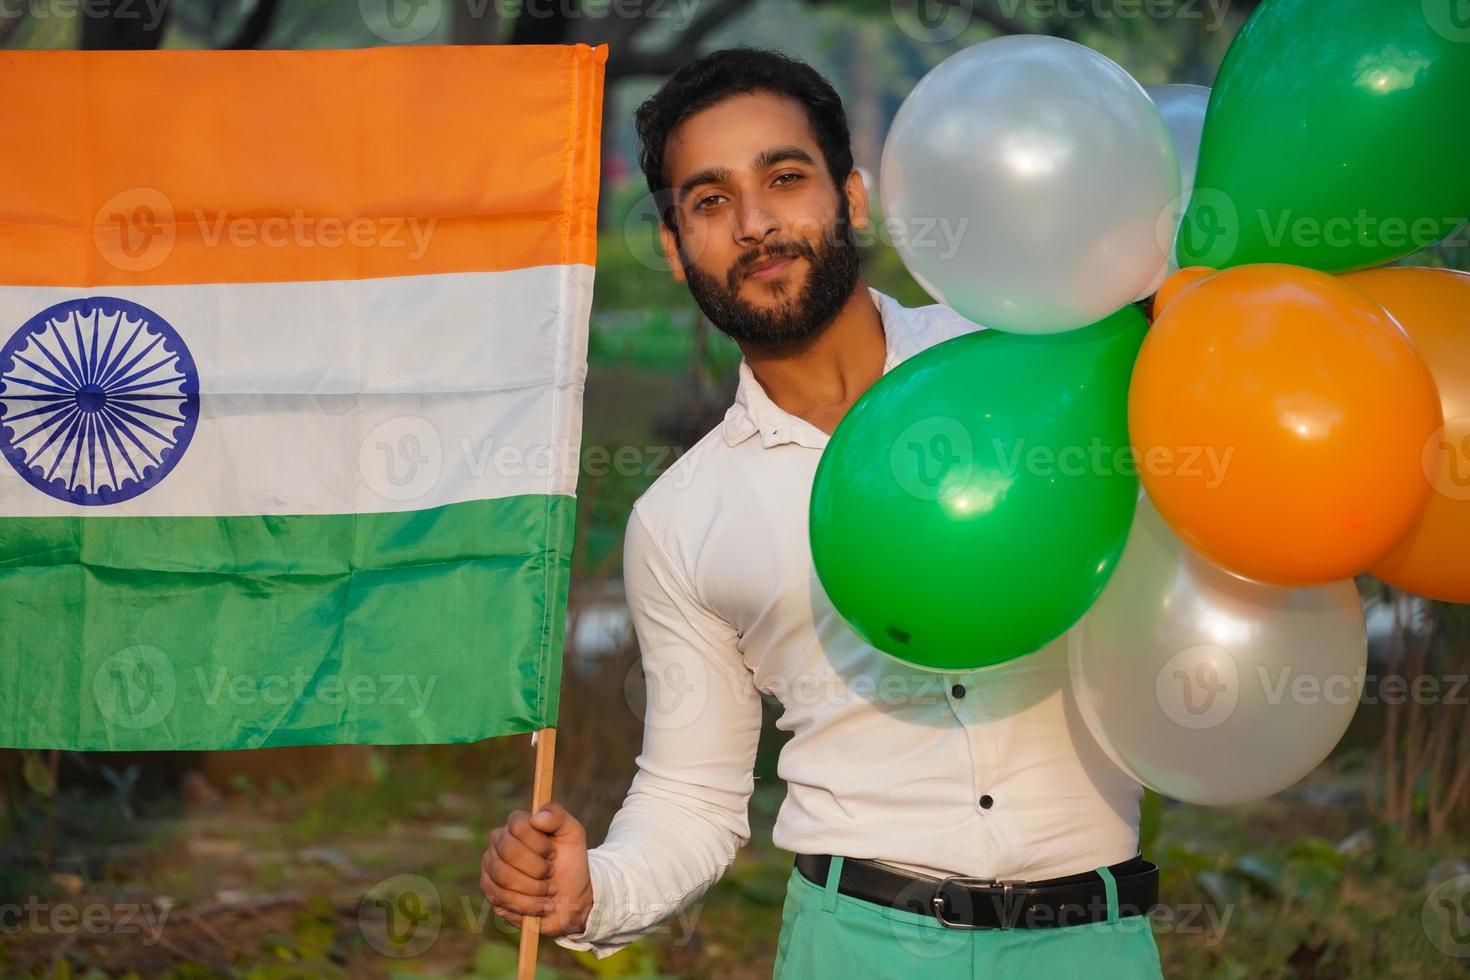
<point>601,950</point>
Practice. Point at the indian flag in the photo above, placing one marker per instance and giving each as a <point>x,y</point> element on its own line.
<point>292,352</point>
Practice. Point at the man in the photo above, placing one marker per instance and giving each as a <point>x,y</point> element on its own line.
<point>897,778</point>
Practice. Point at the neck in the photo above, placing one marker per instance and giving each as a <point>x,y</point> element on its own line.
<point>819,378</point>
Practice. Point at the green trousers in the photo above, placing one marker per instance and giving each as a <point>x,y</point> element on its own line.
<point>825,934</point>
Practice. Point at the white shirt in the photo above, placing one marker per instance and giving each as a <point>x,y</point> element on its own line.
<point>886,761</point>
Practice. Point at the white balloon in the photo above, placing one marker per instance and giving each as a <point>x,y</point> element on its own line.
<point>1024,180</point>
<point>1208,687</point>
<point>1183,108</point>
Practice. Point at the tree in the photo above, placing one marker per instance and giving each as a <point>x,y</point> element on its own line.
<point>126,25</point>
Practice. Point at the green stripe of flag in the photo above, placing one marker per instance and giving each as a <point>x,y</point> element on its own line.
<point>246,632</point>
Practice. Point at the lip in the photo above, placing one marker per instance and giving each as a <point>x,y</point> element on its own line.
<point>769,268</point>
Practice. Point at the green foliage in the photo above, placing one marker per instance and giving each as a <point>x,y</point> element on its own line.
<point>1150,821</point>
<point>653,340</point>
<point>639,961</point>
<point>631,274</point>
<point>761,882</point>
<point>1282,889</point>
<point>38,775</point>
<point>885,272</point>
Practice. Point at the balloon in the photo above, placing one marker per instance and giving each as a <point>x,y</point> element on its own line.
<point>1433,307</point>
<point>1278,415</point>
<point>1177,282</point>
<point>1207,687</point>
<point>1023,180</point>
<point>1183,109</point>
<point>1335,138</point>
<point>970,505</point>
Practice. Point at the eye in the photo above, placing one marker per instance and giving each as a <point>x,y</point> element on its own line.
<point>707,202</point>
<point>787,180</point>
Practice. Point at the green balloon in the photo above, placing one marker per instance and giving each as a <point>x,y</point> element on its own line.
<point>1336,137</point>
<point>971,505</point>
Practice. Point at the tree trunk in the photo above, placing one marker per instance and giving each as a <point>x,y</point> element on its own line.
<point>475,22</point>
<point>123,25</point>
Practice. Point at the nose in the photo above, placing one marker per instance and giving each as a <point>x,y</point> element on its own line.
<point>755,225</point>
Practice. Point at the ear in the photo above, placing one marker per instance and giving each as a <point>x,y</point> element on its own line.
<point>671,251</point>
<point>857,198</point>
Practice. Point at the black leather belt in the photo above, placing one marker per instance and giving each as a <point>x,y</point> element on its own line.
<point>983,903</point>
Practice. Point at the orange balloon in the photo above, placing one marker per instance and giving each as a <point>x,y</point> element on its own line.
<point>1278,415</point>
<point>1433,307</point>
<point>1176,284</point>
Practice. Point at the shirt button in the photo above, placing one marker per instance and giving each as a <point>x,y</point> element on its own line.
<point>958,690</point>
<point>986,802</point>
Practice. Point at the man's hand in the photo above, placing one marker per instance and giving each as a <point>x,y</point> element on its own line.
<point>537,865</point>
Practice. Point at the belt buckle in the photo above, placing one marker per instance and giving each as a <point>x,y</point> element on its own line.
<point>1007,886</point>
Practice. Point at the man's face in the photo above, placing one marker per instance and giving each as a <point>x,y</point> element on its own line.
<point>765,237</point>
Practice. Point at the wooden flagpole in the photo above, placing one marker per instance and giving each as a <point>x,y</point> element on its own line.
<point>545,742</point>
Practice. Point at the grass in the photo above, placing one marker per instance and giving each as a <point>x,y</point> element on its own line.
<point>1299,903</point>
<point>1278,889</point>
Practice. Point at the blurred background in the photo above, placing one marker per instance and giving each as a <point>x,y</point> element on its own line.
<point>256,863</point>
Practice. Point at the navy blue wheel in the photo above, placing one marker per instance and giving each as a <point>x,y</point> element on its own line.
<point>99,398</point>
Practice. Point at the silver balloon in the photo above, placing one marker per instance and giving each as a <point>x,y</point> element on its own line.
<point>1183,108</point>
<point>1023,183</point>
<point>1211,688</point>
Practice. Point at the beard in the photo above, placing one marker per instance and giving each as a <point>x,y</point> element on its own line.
<point>833,269</point>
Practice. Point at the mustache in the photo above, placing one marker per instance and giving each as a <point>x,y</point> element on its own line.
<point>778,250</point>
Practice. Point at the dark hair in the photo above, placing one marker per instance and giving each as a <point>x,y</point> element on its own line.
<point>717,76</point>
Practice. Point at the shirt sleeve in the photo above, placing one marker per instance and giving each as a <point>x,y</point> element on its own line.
<point>686,814</point>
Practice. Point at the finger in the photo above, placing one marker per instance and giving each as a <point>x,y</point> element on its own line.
<point>499,896</point>
<point>550,818</point>
<point>513,917</point>
<point>488,888</point>
<point>522,830</point>
<point>506,876</point>
<point>522,858</point>
<point>564,827</point>
<point>523,904</point>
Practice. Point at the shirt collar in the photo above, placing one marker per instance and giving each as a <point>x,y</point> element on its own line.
<point>753,411</point>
